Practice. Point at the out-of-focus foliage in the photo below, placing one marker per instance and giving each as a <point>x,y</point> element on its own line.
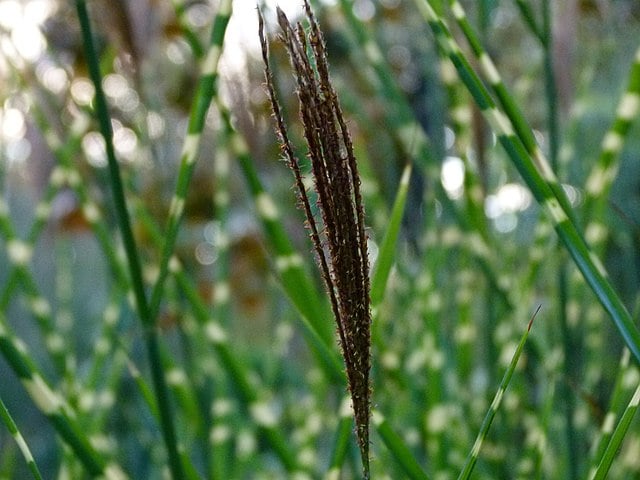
<point>252,395</point>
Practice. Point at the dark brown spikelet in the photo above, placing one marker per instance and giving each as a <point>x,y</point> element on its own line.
<point>345,270</point>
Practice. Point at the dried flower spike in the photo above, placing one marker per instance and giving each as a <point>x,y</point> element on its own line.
<point>345,270</point>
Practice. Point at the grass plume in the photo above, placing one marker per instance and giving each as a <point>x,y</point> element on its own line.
<point>339,237</point>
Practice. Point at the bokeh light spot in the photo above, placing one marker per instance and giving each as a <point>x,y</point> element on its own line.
<point>155,125</point>
<point>125,142</point>
<point>205,253</point>
<point>364,10</point>
<point>54,79</point>
<point>28,40</point>
<point>13,124</point>
<point>82,91</point>
<point>452,176</point>
<point>94,149</point>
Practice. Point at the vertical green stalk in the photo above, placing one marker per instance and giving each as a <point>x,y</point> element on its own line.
<point>604,171</point>
<point>135,271</point>
<point>204,94</point>
<point>386,254</point>
<point>341,441</point>
<point>569,336</point>
<point>550,86</point>
<point>19,439</point>
<point>569,366</point>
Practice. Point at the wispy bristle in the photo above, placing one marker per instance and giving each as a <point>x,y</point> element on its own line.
<point>345,269</point>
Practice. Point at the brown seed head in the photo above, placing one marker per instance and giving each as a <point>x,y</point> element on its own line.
<point>345,270</point>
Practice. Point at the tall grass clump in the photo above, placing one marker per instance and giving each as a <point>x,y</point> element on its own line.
<point>159,312</point>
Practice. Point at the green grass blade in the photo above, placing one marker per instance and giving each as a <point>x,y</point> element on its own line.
<point>497,400</point>
<point>517,119</point>
<point>103,117</point>
<point>135,270</point>
<point>617,437</point>
<point>19,439</point>
<point>620,392</point>
<point>527,14</point>
<point>605,170</point>
<point>386,253</point>
<point>180,7</point>
<point>206,91</point>
<point>398,448</point>
<point>341,441</point>
<point>149,398</point>
<point>570,339</point>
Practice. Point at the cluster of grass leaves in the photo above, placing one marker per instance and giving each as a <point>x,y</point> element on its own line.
<point>151,362</point>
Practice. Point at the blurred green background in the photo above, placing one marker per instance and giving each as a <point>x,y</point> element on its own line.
<point>446,333</point>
